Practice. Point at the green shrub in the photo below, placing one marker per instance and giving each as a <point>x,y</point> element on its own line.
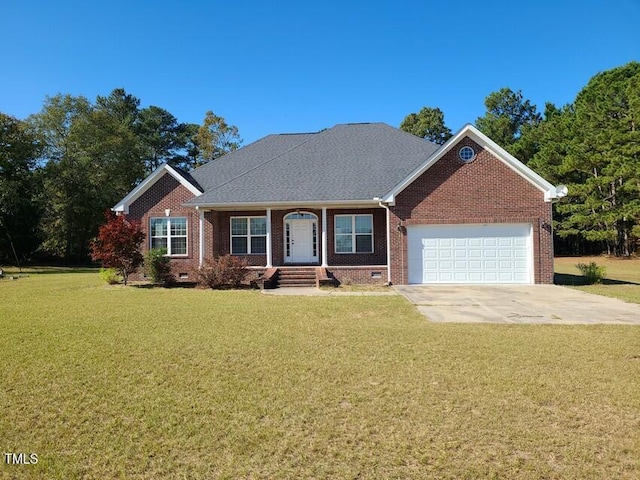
<point>157,266</point>
<point>592,272</point>
<point>221,272</point>
<point>110,275</point>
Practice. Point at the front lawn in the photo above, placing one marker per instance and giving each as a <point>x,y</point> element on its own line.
<point>622,280</point>
<point>115,382</point>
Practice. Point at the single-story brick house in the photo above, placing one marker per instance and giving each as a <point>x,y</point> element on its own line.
<point>361,203</point>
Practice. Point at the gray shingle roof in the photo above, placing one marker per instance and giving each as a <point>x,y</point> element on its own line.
<point>350,162</point>
<point>189,178</point>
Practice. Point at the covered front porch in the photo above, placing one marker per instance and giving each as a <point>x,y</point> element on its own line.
<point>349,239</point>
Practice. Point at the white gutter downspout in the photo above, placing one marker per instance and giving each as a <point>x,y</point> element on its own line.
<point>200,236</point>
<point>386,207</point>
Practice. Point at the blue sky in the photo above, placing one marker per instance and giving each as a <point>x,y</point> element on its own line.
<point>295,66</point>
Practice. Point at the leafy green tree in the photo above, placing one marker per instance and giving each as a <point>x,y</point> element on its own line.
<point>509,117</point>
<point>429,124</point>
<point>215,138</point>
<point>68,189</point>
<point>19,189</point>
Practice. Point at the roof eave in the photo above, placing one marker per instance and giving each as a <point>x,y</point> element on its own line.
<point>123,205</point>
<point>550,191</point>
<point>285,204</point>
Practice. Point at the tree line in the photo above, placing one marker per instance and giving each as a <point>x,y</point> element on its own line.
<point>591,145</point>
<point>63,166</point>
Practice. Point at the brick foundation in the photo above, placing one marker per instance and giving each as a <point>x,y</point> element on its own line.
<point>366,275</point>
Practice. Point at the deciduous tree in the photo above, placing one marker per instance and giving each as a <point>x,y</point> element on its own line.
<point>118,245</point>
<point>67,176</point>
<point>429,124</point>
<point>215,138</point>
<point>20,188</point>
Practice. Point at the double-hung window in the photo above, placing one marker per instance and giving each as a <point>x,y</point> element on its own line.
<point>248,235</point>
<point>354,233</point>
<point>169,233</point>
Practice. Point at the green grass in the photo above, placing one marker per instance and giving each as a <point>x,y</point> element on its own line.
<point>622,280</point>
<point>114,382</point>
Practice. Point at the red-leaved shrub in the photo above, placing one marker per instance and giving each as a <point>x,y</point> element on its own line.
<point>118,245</point>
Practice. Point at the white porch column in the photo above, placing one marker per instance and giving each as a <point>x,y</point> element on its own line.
<point>388,242</point>
<point>200,236</point>
<point>324,237</point>
<point>269,249</point>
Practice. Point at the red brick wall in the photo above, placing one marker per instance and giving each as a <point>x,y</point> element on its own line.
<point>379,255</point>
<point>167,192</point>
<point>483,191</point>
<point>222,239</point>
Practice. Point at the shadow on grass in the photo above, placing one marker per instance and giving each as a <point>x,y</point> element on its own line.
<point>157,285</point>
<point>189,285</point>
<point>575,280</point>
<point>48,270</point>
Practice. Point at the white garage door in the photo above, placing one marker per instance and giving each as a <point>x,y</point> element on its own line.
<point>493,253</point>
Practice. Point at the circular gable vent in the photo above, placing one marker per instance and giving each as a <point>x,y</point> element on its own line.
<point>466,154</point>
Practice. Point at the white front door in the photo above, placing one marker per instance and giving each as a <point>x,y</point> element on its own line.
<point>300,242</point>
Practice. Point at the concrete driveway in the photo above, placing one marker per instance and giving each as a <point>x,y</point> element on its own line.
<point>518,304</point>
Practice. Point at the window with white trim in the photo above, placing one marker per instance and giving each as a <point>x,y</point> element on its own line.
<point>169,233</point>
<point>354,233</point>
<point>248,235</point>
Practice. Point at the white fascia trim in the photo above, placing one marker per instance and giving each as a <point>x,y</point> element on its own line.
<point>550,191</point>
<point>289,204</point>
<point>143,186</point>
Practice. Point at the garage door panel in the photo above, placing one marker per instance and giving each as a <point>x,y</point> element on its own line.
<point>494,253</point>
